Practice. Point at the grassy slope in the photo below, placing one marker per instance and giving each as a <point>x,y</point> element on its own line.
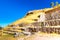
<point>7,37</point>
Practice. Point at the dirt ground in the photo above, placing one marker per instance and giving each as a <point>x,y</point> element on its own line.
<point>38,36</point>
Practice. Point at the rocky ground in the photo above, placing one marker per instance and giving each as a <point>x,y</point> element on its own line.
<point>42,36</point>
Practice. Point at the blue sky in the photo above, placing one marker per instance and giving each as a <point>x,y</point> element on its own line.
<point>12,10</point>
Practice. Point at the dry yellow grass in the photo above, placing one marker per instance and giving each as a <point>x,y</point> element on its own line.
<point>7,37</point>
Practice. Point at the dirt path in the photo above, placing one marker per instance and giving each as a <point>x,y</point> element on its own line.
<point>42,37</point>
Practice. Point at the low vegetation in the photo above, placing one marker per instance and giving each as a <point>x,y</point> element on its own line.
<point>7,37</point>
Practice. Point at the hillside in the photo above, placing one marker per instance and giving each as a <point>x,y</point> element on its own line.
<point>42,15</point>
